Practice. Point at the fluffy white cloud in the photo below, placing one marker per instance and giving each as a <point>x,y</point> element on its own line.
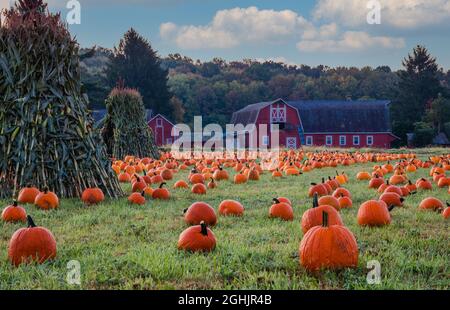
<point>230,28</point>
<point>397,13</point>
<point>350,41</point>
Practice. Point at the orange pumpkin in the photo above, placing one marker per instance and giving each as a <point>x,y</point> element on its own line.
<point>198,212</point>
<point>137,198</point>
<point>92,196</point>
<point>374,213</point>
<point>166,174</point>
<point>253,175</point>
<point>328,246</point>
<point>197,238</point>
<point>199,189</point>
<point>161,192</point>
<point>240,178</point>
<point>281,210</point>
<point>446,212</point>
<point>231,207</point>
<point>313,216</point>
<point>220,174</point>
<point>345,202</point>
<point>392,199</point>
<point>341,192</point>
<point>32,244</point>
<point>431,203</point>
<point>318,189</point>
<point>46,200</point>
<point>28,194</point>
<point>212,184</point>
<point>181,184</point>
<point>14,213</point>
<point>330,201</point>
<point>124,177</point>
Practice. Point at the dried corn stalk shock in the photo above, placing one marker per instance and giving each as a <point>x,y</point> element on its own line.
<point>46,135</point>
<point>125,130</point>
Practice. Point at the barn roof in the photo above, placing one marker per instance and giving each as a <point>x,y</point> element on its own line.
<point>344,115</point>
<point>338,116</point>
<point>249,114</point>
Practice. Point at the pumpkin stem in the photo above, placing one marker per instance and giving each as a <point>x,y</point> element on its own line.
<point>323,180</point>
<point>185,210</point>
<point>204,230</point>
<point>162,184</point>
<point>337,173</point>
<point>276,200</point>
<point>325,219</point>
<point>45,190</point>
<point>30,221</point>
<point>143,194</point>
<point>448,204</point>
<point>315,200</point>
<point>402,199</point>
<point>15,203</point>
<point>313,184</point>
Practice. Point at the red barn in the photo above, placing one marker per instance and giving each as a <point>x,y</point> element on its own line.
<point>162,130</point>
<point>334,123</point>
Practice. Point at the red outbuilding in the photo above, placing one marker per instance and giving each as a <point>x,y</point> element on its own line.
<point>333,123</point>
<point>162,130</point>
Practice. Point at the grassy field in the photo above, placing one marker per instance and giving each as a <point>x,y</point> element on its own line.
<point>120,246</point>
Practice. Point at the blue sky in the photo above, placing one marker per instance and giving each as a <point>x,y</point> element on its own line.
<point>329,32</point>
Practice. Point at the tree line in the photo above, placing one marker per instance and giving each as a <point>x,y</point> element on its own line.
<point>180,87</point>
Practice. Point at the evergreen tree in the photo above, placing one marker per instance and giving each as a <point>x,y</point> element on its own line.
<point>138,65</point>
<point>418,86</point>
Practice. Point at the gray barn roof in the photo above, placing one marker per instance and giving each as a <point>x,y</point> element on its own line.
<point>319,116</point>
<point>344,116</point>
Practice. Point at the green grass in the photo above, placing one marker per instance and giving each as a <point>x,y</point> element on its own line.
<point>121,246</point>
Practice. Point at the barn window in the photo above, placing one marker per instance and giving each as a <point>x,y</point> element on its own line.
<point>369,140</point>
<point>329,140</point>
<point>355,140</point>
<point>169,141</point>
<point>159,122</point>
<point>265,140</point>
<point>342,140</point>
<point>309,140</point>
<point>278,114</point>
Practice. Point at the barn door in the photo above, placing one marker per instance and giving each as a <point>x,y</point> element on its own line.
<point>291,143</point>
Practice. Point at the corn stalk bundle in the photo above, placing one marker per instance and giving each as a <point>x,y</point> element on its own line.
<point>46,135</point>
<point>125,130</point>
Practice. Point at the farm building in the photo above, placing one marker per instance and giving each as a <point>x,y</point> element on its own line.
<point>162,130</point>
<point>334,123</point>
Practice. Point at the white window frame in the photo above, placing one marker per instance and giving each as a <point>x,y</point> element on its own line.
<point>342,138</point>
<point>367,140</point>
<point>331,140</point>
<point>359,140</point>
<point>265,140</point>
<point>309,140</point>
<point>159,122</point>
